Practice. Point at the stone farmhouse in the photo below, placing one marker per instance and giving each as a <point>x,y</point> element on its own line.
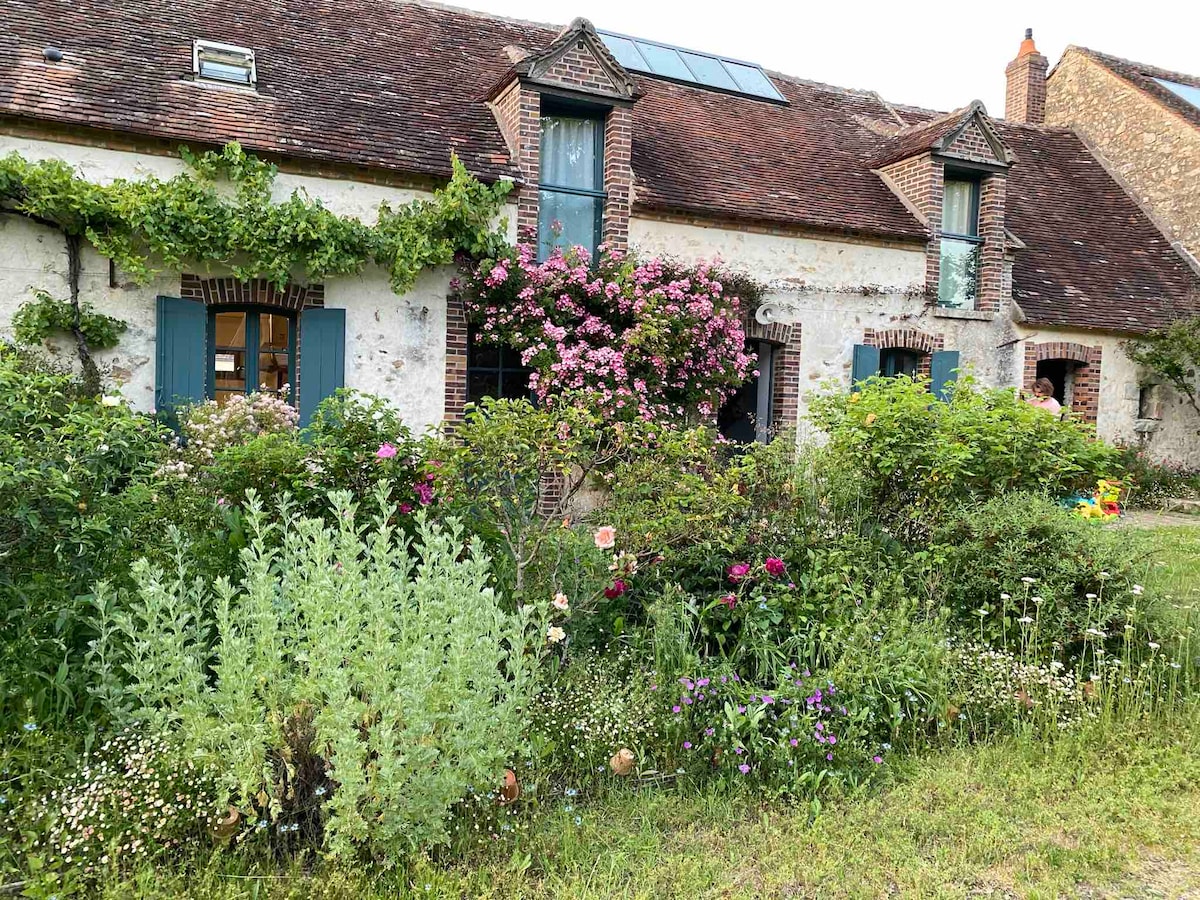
<point>895,239</point>
<point>1144,122</point>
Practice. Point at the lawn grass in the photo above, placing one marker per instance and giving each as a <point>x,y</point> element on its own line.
<point>1087,815</point>
<point>1095,814</point>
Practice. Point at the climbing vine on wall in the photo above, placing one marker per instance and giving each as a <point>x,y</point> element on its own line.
<point>44,315</point>
<point>193,217</point>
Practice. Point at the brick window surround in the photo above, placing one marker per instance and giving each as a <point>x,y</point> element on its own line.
<point>907,339</point>
<point>1085,391</point>
<point>255,292</point>
<point>785,369</point>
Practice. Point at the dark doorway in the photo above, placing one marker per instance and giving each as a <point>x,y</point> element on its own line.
<point>1057,370</point>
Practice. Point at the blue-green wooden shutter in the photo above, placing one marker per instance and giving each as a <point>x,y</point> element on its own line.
<point>322,357</point>
<point>943,366</point>
<point>179,363</point>
<point>865,363</point>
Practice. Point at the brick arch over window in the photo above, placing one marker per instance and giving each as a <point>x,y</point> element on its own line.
<point>908,339</point>
<point>255,292</point>
<point>1064,350</point>
<point>904,338</point>
<point>1084,390</point>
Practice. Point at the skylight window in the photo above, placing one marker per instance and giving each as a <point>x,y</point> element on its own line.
<point>226,63</point>
<point>1186,92</point>
<point>690,67</point>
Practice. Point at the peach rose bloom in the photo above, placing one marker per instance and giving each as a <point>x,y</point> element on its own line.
<point>606,537</point>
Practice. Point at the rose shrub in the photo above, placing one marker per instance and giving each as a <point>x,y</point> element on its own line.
<point>648,339</point>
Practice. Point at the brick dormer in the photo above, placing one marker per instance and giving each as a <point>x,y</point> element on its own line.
<point>575,75</point>
<point>951,173</point>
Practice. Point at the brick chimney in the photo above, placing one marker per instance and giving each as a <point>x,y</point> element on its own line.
<point>1025,99</point>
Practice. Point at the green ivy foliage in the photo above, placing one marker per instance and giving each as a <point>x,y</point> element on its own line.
<point>195,217</point>
<point>41,317</point>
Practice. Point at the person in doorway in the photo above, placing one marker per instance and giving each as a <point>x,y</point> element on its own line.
<point>1043,396</point>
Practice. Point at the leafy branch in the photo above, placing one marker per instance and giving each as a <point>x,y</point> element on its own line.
<point>1173,354</point>
<point>37,319</point>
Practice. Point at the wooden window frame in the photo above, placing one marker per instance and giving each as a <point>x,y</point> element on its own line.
<point>253,339</point>
<point>562,109</point>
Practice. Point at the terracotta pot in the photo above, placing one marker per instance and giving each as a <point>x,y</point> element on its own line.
<point>622,762</point>
<point>225,828</point>
<point>511,789</point>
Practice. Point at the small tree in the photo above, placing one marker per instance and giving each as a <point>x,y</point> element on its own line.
<point>1172,353</point>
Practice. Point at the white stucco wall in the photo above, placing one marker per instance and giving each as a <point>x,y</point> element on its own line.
<point>395,345</point>
<point>835,290</point>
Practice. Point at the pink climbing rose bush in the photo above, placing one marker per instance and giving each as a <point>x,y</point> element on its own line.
<point>643,339</point>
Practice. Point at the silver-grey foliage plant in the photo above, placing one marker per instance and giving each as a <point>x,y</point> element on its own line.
<point>411,681</point>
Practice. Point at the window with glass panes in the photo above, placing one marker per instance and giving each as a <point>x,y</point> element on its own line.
<point>250,350</point>
<point>571,180</point>
<point>958,281</point>
<point>895,361</point>
<point>494,371</point>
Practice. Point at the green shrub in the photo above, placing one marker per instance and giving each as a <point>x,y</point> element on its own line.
<point>1062,573</point>
<point>346,690</point>
<point>1150,483</point>
<point>65,460</point>
<point>914,459</point>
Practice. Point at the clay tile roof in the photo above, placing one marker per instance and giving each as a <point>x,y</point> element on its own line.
<point>397,84</point>
<point>922,136</point>
<point>1092,259</point>
<point>1142,76</point>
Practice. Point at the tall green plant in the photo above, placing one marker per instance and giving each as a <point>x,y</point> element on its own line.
<point>915,459</point>
<point>352,687</point>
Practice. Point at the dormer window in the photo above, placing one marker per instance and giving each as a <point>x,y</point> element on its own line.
<point>571,184</point>
<point>958,280</point>
<point>225,63</point>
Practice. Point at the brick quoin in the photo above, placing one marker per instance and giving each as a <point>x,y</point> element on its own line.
<point>456,361</point>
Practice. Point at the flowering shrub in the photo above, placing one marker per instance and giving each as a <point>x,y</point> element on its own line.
<point>597,705</point>
<point>130,800</point>
<point>352,690</point>
<point>208,428</point>
<point>642,339</point>
<point>995,688</point>
<point>792,735</point>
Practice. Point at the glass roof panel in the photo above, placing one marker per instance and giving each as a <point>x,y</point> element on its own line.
<point>665,61</point>
<point>704,69</point>
<point>626,52</point>
<point>709,70</point>
<point>1185,92</point>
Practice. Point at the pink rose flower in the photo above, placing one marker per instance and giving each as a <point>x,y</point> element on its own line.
<point>385,451</point>
<point>774,566</point>
<point>737,572</point>
<point>606,537</point>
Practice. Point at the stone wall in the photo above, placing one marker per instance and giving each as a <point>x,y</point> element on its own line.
<point>395,345</point>
<point>1152,149</point>
<point>840,293</point>
<point>1111,396</point>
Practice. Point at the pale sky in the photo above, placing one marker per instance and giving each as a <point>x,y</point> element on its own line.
<point>937,55</point>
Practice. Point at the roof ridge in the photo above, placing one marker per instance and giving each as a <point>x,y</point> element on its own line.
<point>1147,69</point>
<point>482,14</point>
